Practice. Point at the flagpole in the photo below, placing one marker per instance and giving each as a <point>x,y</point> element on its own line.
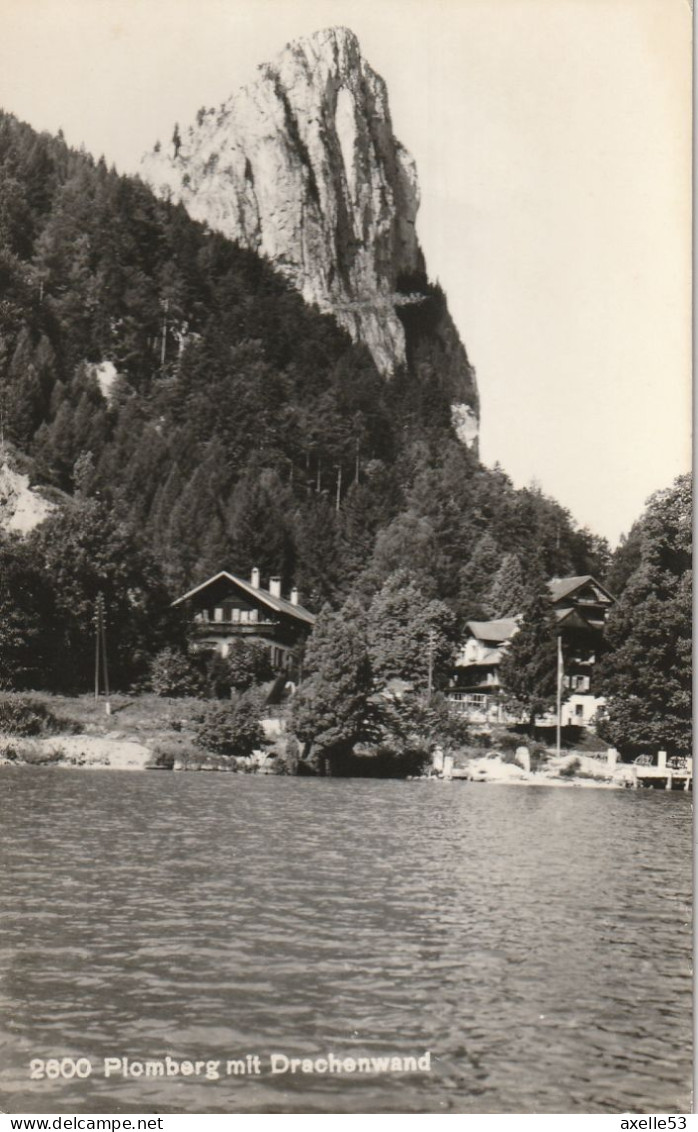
<point>558,721</point>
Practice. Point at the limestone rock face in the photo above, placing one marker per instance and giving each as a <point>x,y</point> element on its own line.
<point>302,166</point>
<point>21,507</point>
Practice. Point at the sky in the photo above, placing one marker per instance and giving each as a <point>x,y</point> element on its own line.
<point>553,147</point>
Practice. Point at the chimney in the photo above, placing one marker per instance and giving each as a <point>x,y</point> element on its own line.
<point>294,596</point>
<point>275,587</point>
<point>255,578</point>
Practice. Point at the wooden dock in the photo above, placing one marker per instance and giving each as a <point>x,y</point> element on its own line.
<point>667,774</point>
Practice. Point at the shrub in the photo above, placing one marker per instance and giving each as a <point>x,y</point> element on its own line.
<point>539,759</point>
<point>509,741</point>
<point>232,728</point>
<point>507,755</point>
<point>246,664</point>
<point>162,758</point>
<point>409,722</point>
<point>383,761</point>
<point>539,754</point>
<point>40,756</point>
<point>173,673</point>
<point>571,769</point>
<point>19,716</point>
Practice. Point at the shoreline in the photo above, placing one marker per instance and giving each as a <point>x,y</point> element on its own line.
<point>93,752</point>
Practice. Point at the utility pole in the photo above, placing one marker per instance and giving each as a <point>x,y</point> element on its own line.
<point>98,633</point>
<point>560,674</point>
<point>101,650</point>
<point>431,644</point>
<point>166,307</point>
<point>339,487</point>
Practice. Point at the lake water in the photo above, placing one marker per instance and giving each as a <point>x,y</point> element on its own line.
<point>534,940</point>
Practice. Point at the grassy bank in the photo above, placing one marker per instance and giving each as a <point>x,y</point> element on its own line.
<point>140,732</point>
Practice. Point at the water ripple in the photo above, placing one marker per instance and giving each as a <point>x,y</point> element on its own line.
<point>537,942</point>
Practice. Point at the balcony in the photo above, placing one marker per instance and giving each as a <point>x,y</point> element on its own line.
<point>234,626</point>
<point>476,707</point>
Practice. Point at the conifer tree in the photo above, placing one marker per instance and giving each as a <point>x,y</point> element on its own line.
<point>507,594</point>
<point>476,576</point>
<point>408,633</point>
<point>528,671</point>
<point>332,710</point>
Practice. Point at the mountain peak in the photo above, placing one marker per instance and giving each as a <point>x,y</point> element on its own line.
<point>302,166</point>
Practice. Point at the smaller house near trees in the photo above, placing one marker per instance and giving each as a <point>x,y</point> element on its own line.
<point>227,608</point>
<point>581,605</point>
<point>475,684</point>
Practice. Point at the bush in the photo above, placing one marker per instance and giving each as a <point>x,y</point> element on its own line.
<point>10,752</point>
<point>508,741</point>
<point>173,673</point>
<point>539,758</point>
<point>409,722</point>
<point>40,757</point>
<point>163,758</point>
<point>19,716</point>
<point>383,761</point>
<point>232,728</point>
<point>246,664</point>
<point>571,769</point>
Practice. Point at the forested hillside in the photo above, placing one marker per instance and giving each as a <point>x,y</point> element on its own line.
<point>647,671</point>
<point>234,425</point>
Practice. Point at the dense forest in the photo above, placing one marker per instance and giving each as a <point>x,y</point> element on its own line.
<point>233,426</point>
<point>243,428</point>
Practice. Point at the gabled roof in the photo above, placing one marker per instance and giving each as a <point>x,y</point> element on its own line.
<point>563,587</point>
<point>573,619</point>
<point>278,604</point>
<point>499,631</point>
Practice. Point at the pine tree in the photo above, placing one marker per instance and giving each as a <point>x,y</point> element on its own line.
<point>528,671</point>
<point>408,633</point>
<point>507,594</point>
<point>476,576</point>
<point>332,710</point>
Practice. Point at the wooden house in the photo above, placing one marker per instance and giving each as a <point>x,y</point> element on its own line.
<point>580,604</point>
<point>475,682</point>
<point>226,608</point>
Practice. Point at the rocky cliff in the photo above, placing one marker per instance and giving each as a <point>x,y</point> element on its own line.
<point>21,507</point>
<point>303,167</point>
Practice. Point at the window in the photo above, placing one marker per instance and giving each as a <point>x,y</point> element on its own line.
<point>579,710</point>
<point>218,613</point>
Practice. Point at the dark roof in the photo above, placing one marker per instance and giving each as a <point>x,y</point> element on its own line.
<point>573,619</point>
<point>278,604</point>
<point>563,587</point>
<point>500,630</point>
